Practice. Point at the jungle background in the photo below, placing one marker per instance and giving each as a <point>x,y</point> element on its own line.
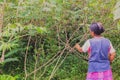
<point>36,37</point>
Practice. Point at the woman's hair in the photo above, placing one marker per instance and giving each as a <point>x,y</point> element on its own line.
<point>97,28</point>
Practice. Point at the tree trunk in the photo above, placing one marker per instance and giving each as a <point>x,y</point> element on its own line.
<point>1,17</point>
<point>1,25</point>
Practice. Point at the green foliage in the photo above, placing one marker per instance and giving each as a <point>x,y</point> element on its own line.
<point>7,46</point>
<point>40,29</point>
<point>9,60</point>
<point>6,77</point>
<point>72,66</point>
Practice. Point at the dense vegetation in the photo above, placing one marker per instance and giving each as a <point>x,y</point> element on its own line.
<point>36,37</point>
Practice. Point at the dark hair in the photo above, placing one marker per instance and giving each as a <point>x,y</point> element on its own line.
<point>97,28</point>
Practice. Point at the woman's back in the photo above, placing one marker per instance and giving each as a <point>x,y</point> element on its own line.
<point>99,49</point>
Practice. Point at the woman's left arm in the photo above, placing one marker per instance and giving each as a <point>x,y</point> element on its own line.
<point>112,56</point>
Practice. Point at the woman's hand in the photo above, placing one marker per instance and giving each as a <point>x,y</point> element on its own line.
<point>111,56</point>
<point>77,46</point>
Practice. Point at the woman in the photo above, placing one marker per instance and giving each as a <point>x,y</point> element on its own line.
<point>101,53</point>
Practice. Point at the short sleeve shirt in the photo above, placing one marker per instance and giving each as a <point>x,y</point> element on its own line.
<point>86,47</point>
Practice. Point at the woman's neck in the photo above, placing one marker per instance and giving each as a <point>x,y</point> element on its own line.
<point>97,36</point>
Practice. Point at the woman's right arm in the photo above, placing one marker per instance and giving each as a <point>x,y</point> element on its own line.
<point>84,48</point>
<point>77,46</point>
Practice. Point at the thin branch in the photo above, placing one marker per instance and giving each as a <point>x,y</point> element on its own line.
<point>3,51</point>
<point>36,60</point>
<point>1,16</point>
<point>20,37</point>
<point>57,63</point>
<point>25,61</point>
<point>3,56</point>
<point>48,66</point>
<point>58,66</point>
<point>49,61</point>
<point>73,33</point>
<point>43,72</point>
<point>58,30</point>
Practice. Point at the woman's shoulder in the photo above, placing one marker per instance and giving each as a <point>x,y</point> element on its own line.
<point>106,39</point>
<point>98,39</point>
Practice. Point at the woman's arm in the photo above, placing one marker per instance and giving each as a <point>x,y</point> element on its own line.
<point>112,56</point>
<point>112,53</point>
<point>77,46</point>
<point>84,48</point>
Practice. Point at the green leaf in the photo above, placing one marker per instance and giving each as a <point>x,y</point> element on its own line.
<point>41,30</point>
<point>8,45</point>
<point>10,53</point>
<point>10,60</point>
<point>7,77</point>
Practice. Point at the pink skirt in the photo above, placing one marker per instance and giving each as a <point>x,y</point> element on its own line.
<point>105,75</point>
